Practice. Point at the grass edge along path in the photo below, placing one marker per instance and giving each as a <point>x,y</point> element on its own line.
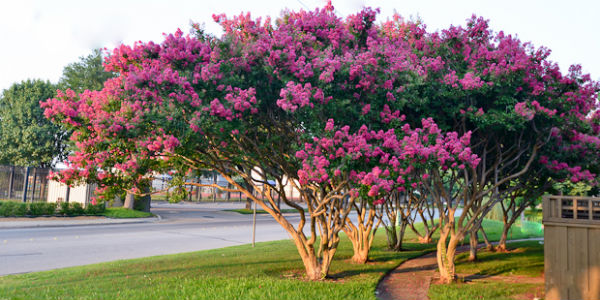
<point>271,270</point>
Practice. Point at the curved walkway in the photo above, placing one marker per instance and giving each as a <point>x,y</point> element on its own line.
<point>411,279</point>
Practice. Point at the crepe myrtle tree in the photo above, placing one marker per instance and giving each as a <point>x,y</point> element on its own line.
<point>523,112</point>
<point>385,163</point>
<point>249,100</point>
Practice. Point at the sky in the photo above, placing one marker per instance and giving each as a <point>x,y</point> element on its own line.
<point>39,38</point>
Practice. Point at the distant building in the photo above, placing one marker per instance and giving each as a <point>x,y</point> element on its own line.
<point>59,192</point>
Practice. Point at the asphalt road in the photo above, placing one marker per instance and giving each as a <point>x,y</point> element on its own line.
<point>182,229</point>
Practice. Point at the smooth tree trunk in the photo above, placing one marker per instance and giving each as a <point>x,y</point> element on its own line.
<point>129,201</point>
<point>392,239</point>
<point>508,223</point>
<point>118,202</point>
<point>503,238</point>
<point>446,253</point>
<point>395,236</point>
<point>399,240</point>
<point>473,241</point>
<point>486,240</point>
<point>142,203</point>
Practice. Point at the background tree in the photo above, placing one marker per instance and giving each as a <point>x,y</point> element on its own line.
<point>27,138</point>
<point>86,74</point>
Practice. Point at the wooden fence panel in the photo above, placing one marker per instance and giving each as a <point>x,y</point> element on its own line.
<point>572,247</point>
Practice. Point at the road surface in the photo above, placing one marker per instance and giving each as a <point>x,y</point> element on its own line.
<point>183,228</point>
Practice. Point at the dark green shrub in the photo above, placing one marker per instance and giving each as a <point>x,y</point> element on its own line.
<point>36,209</point>
<point>50,208</point>
<point>96,209</point>
<point>42,209</point>
<point>65,209</point>
<point>20,209</point>
<point>4,209</point>
<point>77,209</point>
<point>13,209</point>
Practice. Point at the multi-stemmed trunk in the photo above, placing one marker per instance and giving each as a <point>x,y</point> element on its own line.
<point>361,234</point>
<point>446,252</point>
<point>327,212</point>
<point>507,224</point>
<point>425,211</point>
<point>404,214</point>
<point>509,220</point>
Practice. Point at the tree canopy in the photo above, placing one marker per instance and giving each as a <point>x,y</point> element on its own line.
<point>27,138</point>
<point>86,74</point>
<point>342,109</point>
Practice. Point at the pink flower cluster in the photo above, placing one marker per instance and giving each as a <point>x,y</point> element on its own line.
<point>191,91</point>
<point>577,173</point>
<point>296,95</point>
<point>383,160</point>
<point>522,110</point>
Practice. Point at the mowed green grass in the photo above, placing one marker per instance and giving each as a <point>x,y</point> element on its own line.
<point>124,213</point>
<point>271,270</point>
<point>526,259</point>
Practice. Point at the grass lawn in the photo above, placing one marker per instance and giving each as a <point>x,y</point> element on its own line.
<point>123,213</point>
<point>526,260</point>
<point>272,270</point>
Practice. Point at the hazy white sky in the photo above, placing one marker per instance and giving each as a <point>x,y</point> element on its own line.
<point>38,38</point>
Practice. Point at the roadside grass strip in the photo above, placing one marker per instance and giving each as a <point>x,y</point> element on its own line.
<point>271,270</point>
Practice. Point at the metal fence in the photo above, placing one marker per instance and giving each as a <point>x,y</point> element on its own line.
<point>25,184</point>
<point>207,193</point>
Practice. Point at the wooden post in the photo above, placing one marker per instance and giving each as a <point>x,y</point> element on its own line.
<point>590,210</point>
<point>254,225</point>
